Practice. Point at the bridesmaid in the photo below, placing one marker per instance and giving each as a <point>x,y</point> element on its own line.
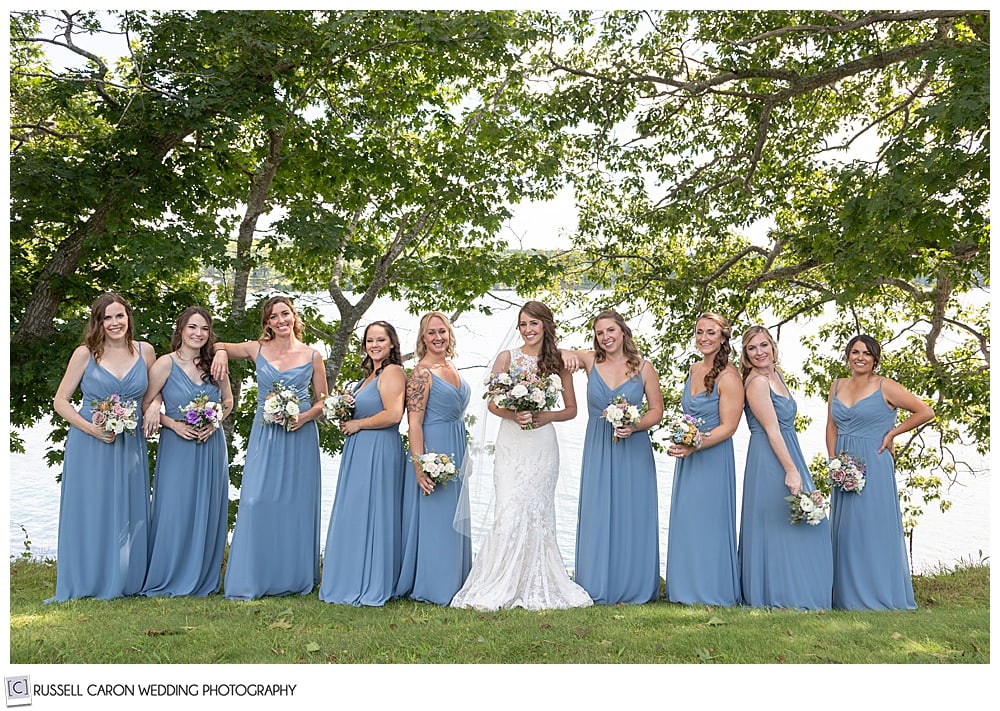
<point>104,493</point>
<point>191,481</point>
<point>781,565</point>
<point>701,538</point>
<point>363,555</point>
<point>617,535</point>
<point>275,546</point>
<point>436,557</point>
<point>870,566</point>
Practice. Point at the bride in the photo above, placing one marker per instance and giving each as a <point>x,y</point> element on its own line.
<point>519,564</point>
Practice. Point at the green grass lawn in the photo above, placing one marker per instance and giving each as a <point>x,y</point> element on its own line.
<point>951,626</point>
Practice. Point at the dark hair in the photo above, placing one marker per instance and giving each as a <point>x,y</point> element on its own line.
<point>549,359</point>
<point>93,334</point>
<point>267,334</point>
<point>871,344</point>
<point>725,349</point>
<point>745,365</point>
<point>367,364</point>
<point>204,358</point>
<point>628,344</point>
<point>426,319</point>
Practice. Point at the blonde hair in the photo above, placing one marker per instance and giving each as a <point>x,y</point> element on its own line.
<point>745,366</point>
<point>424,321</point>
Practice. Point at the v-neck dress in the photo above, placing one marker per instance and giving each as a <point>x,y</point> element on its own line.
<point>871,569</point>
<point>190,500</point>
<point>617,534</point>
<point>275,546</point>
<point>104,498</point>
<point>781,564</point>
<point>436,557</point>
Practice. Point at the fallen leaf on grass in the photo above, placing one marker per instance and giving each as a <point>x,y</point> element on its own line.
<point>281,624</point>
<point>312,647</point>
<point>581,631</point>
<point>716,621</point>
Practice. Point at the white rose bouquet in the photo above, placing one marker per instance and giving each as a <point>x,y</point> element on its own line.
<point>338,407</point>
<point>620,412</point>
<point>523,390</point>
<point>281,406</point>
<point>439,467</point>
<point>115,415</point>
<point>811,507</point>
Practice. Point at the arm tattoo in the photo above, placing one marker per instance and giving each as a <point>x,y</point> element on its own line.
<point>416,390</point>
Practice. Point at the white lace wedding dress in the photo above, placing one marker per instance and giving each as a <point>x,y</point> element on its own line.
<point>519,564</point>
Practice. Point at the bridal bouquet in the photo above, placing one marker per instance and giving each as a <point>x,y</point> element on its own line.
<point>523,390</point>
<point>810,507</point>
<point>847,472</point>
<point>684,429</point>
<point>200,412</point>
<point>621,413</point>
<point>439,467</point>
<point>281,406</point>
<point>338,407</point>
<point>115,415</point>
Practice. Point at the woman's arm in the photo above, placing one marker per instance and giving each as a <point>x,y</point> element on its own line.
<point>319,390</point>
<point>418,389</point>
<point>225,351</point>
<point>831,426</point>
<point>898,396</point>
<point>730,408</point>
<point>392,389</point>
<point>758,395</point>
<point>568,412</point>
<point>62,402</point>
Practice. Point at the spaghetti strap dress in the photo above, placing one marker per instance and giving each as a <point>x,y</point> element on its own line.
<point>701,536</point>
<point>363,553</point>
<point>617,534</point>
<point>781,564</point>
<point>436,557</point>
<point>190,500</point>
<point>104,498</point>
<point>275,546</point>
<point>871,569</point>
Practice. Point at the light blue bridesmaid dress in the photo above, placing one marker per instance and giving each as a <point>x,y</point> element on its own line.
<point>781,564</point>
<point>275,546</point>
<point>617,534</point>
<point>436,557</point>
<point>871,570</point>
<point>363,554</point>
<point>701,538</point>
<point>190,500</point>
<point>104,498</point>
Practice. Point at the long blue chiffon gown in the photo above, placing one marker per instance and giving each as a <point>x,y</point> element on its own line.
<point>363,554</point>
<point>701,538</point>
<point>781,564</point>
<point>275,546</point>
<point>190,501</point>
<point>104,498</point>
<point>871,570</point>
<point>617,534</point>
<point>436,557</point>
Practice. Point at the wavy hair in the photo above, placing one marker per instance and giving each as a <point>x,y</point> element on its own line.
<point>267,333</point>
<point>394,357</point>
<point>745,366</point>
<point>93,333</point>
<point>632,358</point>
<point>421,349</point>
<point>721,359</point>
<point>549,359</point>
<point>204,358</point>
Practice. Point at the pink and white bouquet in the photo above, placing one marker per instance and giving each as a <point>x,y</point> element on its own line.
<point>281,406</point>
<point>685,429</point>
<point>523,390</point>
<point>115,414</point>
<point>621,413</point>
<point>847,472</point>
<point>439,467</point>
<point>338,407</point>
<point>811,507</point>
<point>200,412</point>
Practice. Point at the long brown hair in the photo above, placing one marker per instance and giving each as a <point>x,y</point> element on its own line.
<point>93,334</point>
<point>394,357</point>
<point>267,334</point>
<point>426,319</point>
<point>745,366</point>
<point>721,359</point>
<point>204,358</point>
<point>631,351</point>
<point>873,346</point>
<point>549,360</point>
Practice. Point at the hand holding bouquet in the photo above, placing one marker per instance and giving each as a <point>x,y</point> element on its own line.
<point>281,406</point>
<point>523,391</point>
<point>115,415</point>
<point>440,468</point>
<point>810,507</point>
<point>201,412</point>
<point>621,413</point>
<point>685,429</point>
<point>847,472</point>
<point>338,407</point>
